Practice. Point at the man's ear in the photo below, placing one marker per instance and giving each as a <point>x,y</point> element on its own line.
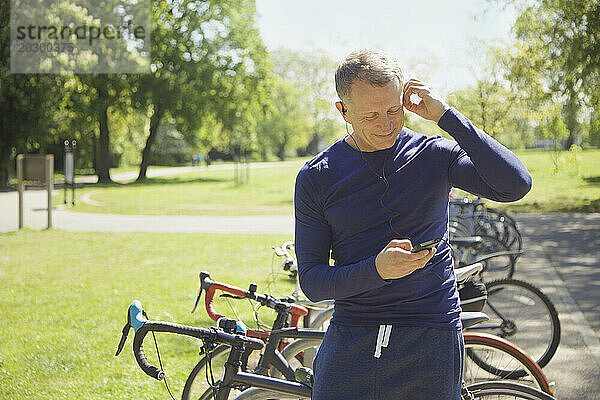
<point>342,109</point>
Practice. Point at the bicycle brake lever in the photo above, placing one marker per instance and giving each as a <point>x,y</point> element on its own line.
<point>230,296</point>
<point>126,329</point>
<point>199,295</point>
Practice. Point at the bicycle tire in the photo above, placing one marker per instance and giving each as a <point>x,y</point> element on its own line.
<point>501,390</point>
<point>492,390</point>
<point>529,319</point>
<point>489,357</point>
<point>196,386</point>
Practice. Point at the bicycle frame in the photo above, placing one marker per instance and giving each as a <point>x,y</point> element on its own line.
<point>505,322</point>
<point>273,357</point>
<point>233,377</point>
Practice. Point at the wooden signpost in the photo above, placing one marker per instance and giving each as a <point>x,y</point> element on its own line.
<point>38,168</point>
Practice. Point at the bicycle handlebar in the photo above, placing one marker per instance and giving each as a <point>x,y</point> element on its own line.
<point>142,326</point>
<point>284,251</point>
<point>210,287</point>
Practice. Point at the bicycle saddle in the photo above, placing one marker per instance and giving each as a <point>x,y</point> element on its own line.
<point>465,273</point>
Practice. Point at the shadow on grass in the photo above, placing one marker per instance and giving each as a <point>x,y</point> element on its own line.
<point>592,180</point>
<point>287,202</point>
<point>157,181</point>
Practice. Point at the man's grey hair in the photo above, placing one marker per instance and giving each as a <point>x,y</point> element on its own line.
<point>371,66</point>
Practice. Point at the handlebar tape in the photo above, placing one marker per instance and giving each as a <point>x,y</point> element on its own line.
<point>210,293</point>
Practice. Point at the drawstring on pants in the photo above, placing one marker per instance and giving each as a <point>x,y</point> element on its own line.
<point>383,338</point>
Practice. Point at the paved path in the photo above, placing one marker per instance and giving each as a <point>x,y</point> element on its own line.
<point>35,215</point>
<point>563,260</point>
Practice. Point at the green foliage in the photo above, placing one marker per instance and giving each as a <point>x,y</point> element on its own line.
<point>208,63</point>
<point>572,160</point>
<point>287,124</point>
<point>492,106</point>
<point>552,126</point>
<point>594,125</point>
<point>312,74</point>
<point>554,60</point>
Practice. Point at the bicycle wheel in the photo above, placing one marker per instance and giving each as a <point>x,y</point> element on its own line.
<point>491,390</point>
<point>490,357</point>
<point>497,267</point>
<point>505,391</point>
<point>197,384</point>
<point>510,234</point>
<point>520,312</point>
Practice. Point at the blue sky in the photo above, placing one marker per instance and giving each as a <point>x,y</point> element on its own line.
<point>436,40</point>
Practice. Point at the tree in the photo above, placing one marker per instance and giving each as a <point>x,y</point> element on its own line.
<point>28,104</point>
<point>96,95</point>
<point>208,62</point>
<point>313,75</point>
<point>558,53</point>
<point>287,124</point>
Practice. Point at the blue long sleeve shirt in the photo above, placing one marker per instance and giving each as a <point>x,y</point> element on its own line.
<point>349,205</point>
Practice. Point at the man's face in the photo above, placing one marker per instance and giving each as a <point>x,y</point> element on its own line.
<point>376,114</point>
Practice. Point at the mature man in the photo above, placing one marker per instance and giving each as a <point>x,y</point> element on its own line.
<point>367,199</point>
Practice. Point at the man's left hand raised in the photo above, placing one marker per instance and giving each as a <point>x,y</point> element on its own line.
<point>431,106</point>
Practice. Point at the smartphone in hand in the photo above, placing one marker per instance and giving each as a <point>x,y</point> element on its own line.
<point>425,245</point>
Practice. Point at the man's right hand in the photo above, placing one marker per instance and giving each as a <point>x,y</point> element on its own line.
<point>396,261</point>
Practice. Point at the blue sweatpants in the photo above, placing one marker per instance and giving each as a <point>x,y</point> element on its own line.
<point>388,362</point>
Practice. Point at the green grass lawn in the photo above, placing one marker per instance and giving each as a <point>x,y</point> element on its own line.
<point>64,297</point>
<point>206,192</point>
<point>575,188</point>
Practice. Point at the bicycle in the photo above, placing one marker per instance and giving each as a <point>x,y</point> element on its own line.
<point>499,360</point>
<point>319,313</point>
<point>499,260</point>
<point>259,386</point>
<point>521,312</point>
<point>471,217</point>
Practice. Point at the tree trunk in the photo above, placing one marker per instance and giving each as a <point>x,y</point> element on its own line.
<point>4,175</point>
<point>103,165</point>
<point>281,152</point>
<point>147,152</point>
<point>571,120</point>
